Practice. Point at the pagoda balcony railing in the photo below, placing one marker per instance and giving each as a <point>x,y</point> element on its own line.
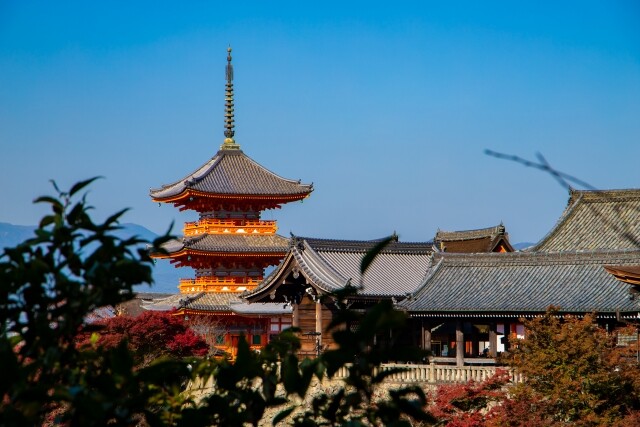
<point>230,226</point>
<point>221,284</point>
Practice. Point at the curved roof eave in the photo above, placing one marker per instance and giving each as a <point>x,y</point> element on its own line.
<point>318,271</point>
<point>231,172</point>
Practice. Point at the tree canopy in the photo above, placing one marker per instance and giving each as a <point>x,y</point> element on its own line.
<point>574,374</point>
<point>73,265</point>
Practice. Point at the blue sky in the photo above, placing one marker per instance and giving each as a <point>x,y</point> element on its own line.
<point>386,107</point>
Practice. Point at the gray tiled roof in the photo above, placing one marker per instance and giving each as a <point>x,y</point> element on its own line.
<point>208,301</point>
<point>265,309</point>
<point>596,220</point>
<point>362,246</point>
<point>524,282</point>
<point>231,243</point>
<point>233,172</point>
<point>331,264</point>
<point>214,301</point>
<point>172,302</point>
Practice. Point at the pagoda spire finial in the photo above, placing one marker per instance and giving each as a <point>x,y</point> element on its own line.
<point>229,142</point>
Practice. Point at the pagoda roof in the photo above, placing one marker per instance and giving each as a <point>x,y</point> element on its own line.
<point>629,274</point>
<point>470,241</point>
<point>596,220</point>
<point>330,265</point>
<point>229,243</point>
<point>232,173</point>
<point>521,283</point>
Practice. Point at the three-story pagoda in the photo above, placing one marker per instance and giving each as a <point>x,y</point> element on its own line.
<point>230,245</point>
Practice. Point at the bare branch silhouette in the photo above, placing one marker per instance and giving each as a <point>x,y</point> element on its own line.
<point>543,165</point>
<point>623,227</point>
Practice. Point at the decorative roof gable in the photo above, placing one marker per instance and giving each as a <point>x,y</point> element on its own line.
<point>491,239</point>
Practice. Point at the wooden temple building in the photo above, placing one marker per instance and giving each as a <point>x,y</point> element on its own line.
<point>467,306</point>
<point>314,268</point>
<point>229,246</point>
<point>317,267</point>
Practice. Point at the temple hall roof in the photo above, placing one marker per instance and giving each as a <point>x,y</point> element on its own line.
<point>332,264</point>
<point>230,243</point>
<point>215,302</point>
<point>470,241</point>
<point>523,282</point>
<point>231,172</point>
<point>596,220</point>
<point>260,309</point>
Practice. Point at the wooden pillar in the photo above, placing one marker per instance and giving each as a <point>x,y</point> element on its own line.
<point>427,338</point>
<point>493,340</point>
<point>459,344</point>
<point>414,340</point>
<point>507,336</point>
<point>296,316</point>
<point>319,322</point>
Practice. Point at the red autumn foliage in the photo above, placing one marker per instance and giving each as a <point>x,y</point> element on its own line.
<point>471,404</point>
<point>575,375</point>
<point>149,336</point>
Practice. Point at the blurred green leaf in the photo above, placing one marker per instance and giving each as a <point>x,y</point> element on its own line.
<point>370,256</point>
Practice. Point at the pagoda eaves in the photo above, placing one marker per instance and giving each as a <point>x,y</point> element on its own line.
<point>231,178</point>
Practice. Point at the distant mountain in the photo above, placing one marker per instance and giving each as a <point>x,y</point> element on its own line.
<point>130,229</point>
<point>522,245</point>
<point>165,275</point>
<point>11,235</point>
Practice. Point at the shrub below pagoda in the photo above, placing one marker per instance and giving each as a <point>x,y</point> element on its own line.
<point>148,336</point>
